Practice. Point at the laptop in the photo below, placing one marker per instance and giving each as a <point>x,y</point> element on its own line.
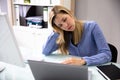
<point>110,72</point>
<point>56,71</point>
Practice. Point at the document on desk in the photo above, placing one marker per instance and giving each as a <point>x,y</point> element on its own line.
<point>111,71</point>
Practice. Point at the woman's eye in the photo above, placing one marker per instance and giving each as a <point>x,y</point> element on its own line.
<point>60,25</point>
<point>64,19</point>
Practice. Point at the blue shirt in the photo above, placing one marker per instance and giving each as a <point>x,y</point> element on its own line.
<point>92,46</point>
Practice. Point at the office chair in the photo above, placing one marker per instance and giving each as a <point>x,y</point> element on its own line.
<point>114,52</point>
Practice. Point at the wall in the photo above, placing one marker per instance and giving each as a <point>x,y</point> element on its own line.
<point>5,6</point>
<point>107,15</point>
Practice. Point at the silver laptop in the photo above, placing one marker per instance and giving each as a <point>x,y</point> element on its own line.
<point>56,71</point>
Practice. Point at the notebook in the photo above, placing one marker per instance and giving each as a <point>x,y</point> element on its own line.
<point>111,71</point>
<point>56,71</point>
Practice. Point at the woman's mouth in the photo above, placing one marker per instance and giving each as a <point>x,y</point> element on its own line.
<point>69,27</point>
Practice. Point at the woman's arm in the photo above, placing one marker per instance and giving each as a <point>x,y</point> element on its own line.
<point>50,45</point>
<point>103,54</point>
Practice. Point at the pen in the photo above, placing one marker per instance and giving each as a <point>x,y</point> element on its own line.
<point>102,74</point>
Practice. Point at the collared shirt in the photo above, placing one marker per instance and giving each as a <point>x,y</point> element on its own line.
<point>92,46</point>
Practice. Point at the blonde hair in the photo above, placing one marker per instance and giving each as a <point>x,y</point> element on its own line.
<point>64,36</point>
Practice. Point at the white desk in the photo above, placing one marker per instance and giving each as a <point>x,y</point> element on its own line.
<point>12,72</point>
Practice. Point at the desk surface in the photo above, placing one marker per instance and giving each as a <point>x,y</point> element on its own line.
<point>13,72</point>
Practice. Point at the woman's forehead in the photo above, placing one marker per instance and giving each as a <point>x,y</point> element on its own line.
<point>59,18</point>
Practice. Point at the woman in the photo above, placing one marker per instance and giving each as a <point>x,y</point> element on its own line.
<point>78,38</point>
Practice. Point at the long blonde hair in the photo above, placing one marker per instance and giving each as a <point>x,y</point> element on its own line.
<point>65,36</point>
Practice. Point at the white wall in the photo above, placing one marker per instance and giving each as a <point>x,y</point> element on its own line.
<point>107,15</point>
<point>3,6</point>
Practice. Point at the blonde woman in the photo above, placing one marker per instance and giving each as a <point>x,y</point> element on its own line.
<point>74,37</point>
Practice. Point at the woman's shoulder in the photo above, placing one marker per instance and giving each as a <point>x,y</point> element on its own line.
<point>90,25</point>
<point>89,22</point>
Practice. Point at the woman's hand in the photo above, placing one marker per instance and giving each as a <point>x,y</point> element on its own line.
<point>74,61</point>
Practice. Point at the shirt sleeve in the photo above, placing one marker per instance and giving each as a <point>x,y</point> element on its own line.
<point>103,54</point>
<point>50,44</point>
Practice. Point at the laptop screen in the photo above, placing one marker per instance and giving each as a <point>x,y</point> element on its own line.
<point>57,71</point>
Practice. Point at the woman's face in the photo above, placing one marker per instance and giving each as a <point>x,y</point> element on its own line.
<point>65,22</point>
